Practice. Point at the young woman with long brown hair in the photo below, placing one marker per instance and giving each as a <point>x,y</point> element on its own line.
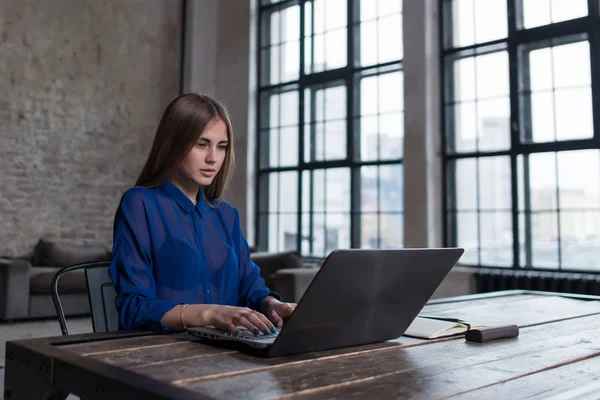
<point>180,258</point>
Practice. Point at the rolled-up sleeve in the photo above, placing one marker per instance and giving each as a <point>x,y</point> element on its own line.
<point>252,287</point>
<point>131,268</point>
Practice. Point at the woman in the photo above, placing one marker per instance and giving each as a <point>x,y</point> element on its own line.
<point>179,256</point>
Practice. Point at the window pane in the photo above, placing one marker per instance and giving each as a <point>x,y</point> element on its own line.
<point>496,239</point>
<point>279,144</point>
<point>326,46</point>
<point>483,124</point>
<point>369,194</point>
<point>337,232</point>
<point>273,232</point>
<point>380,31</point>
<point>288,232</point>
<point>465,182</point>
<point>382,188</point>
<point>580,240</point>
<point>390,185</point>
<point>382,124</point>
<point>288,192</point>
<point>579,181</point>
<point>369,229</point>
<point>391,136</point>
<point>274,149</point>
<point>493,125</point>
<point>288,109</point>
<point>319,188</point>
<point>463,132</point>
<point>330,190</point>
<point>337,189</point>
<point>556,94</point>
<point>538,215</point>
<point>464,79</point>
<point>544,12</point>
<point>467,237</point>
<point>391,92</point>
<point>494,183</point>
<point>392,231</point>
<point>387,7</point>
<point>326,121</point>
<point>492,75</point>
<point>574,114</point>
<point>369,145</point>
<point>477,21</point>
<point>539,181</point>
<point>544,246</point>
<point>389,43</point>
<point>368,43</point>
<point>319,234</point>
<point>281,46</point>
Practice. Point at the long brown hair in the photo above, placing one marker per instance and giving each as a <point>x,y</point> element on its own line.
<point>180,126</point>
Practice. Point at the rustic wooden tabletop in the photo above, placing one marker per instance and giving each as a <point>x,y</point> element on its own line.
<point>555,354</point>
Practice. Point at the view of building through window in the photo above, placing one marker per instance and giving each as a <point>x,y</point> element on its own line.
<point>523,165</point>
<point>330,125</point>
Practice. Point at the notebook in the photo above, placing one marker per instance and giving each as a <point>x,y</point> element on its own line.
<point>426,327</point>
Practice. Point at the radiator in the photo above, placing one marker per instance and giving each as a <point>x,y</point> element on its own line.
<point>489,280</point>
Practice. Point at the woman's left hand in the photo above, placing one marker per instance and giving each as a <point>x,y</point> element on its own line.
<point>276,310</point>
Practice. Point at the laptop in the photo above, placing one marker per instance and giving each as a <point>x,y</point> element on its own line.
<point>358,296</point>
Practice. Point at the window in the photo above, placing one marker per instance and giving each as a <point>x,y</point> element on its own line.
<point>330,125</point>
<point>522,132</point>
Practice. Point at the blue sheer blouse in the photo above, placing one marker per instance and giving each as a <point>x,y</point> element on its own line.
<point>168,251</point>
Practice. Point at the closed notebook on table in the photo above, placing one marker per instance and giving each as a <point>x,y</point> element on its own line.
<point>432,328</point>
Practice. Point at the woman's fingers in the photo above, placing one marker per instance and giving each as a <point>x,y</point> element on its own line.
<point>241,320</point>
<point>262,322</point>
<point>276,318</point>
<point>231,328</point>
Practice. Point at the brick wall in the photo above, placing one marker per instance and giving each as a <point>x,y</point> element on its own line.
<point>83,84</point>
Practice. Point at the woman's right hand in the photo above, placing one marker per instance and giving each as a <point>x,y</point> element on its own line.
<point>228,318</point>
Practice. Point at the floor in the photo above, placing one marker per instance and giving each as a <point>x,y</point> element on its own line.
<point>33,329</point>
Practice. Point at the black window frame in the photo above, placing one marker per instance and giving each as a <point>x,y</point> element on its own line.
<point>350,75</point>
<point>516,38</point>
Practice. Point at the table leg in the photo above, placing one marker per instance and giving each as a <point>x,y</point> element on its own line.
<point>27,375</point>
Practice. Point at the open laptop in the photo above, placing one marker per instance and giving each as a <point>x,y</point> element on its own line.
<point>357,297</point>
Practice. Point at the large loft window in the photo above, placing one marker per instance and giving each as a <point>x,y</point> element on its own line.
<point>330,125</point>
<point>522,132</point>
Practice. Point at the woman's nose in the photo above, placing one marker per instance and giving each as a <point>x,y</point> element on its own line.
<point>210,155</point>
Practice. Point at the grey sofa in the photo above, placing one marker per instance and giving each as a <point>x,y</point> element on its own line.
<point>25,282</point>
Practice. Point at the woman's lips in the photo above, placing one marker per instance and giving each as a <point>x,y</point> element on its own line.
<point>207,172</point>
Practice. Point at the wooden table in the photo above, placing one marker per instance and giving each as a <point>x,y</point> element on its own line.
<point>556,354</point>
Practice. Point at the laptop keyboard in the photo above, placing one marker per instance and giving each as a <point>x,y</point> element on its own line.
<point>246,334</point>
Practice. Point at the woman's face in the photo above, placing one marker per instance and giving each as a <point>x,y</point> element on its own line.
<point>204,161</point>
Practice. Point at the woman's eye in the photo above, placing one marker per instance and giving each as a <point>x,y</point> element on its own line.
<point>223,147</point>
<point>202,145</point>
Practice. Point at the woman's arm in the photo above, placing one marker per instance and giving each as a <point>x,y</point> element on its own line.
<point>131,269</point>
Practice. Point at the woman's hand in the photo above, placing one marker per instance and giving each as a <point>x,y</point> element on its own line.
<point>276,311</point>
<point>228,318</point>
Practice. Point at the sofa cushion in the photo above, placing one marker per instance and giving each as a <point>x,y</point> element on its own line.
<point>40,280</point>
<point>52,254</point>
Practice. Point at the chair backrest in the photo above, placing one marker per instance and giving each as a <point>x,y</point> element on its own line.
<point>101,295</point>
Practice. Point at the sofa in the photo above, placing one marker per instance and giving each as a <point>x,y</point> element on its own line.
<point>25,282</point>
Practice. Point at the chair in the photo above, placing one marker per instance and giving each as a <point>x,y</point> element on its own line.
<point>101,295</point>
